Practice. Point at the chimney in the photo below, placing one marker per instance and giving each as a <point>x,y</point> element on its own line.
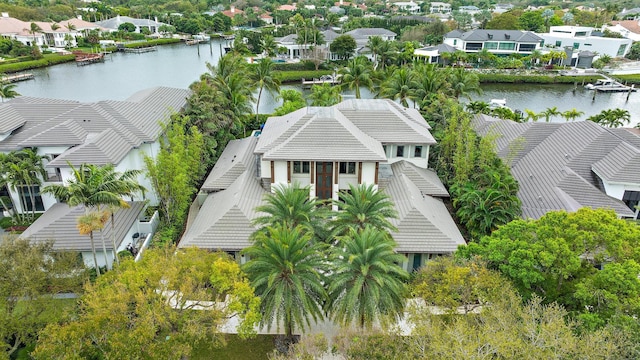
<point>80,17</point>
<point>341,2</point>
<point>5,14</point>
<point>155,18</point>
<point>233,9</point>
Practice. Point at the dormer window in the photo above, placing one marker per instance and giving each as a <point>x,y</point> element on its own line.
<point>417,152</point>
<point>400,151</point>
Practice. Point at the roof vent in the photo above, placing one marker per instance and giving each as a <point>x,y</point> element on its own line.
<point>490,36</point>
<point>507,36</point>
<point>540,198</point>
<point>566,156</point>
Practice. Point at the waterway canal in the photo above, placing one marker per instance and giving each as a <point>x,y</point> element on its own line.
<point>179,65</point>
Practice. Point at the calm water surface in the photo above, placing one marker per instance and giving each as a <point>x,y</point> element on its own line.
<point>179,65</point>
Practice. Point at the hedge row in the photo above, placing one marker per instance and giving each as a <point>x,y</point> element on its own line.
<point>629,79</point>
<point>149,43</point>
<point>535,79</point>
<point>295,76</point>
<point>47,60</point>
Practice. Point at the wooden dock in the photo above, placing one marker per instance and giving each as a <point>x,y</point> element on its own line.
<point>16,78</point>
<point>83,58</point>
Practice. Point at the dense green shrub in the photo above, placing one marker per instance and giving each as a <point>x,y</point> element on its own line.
<point>535,79</point>
<point>47,60</point>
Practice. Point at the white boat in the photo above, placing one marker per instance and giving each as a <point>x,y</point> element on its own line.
<point>498,103</point>
<point>609,85</point>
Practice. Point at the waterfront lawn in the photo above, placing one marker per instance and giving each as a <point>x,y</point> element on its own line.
<point>257,348</point>
<point>629,79</point>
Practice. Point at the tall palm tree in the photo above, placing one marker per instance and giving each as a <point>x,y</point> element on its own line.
<point>399,86</point>
<point>292,206</point>
<point>55,26</point>
<point>532,115</point>
<point>429,82</point>
<point>572,114</point>
<point>286,268</point>
<point>463,82</point>
<point>356,74</point>
<point>374,44</point>
<point>269,45</point>
<point>87,224</point>
<point>366,280</point>
<point>363,206</point>
<point>478,107</point>
<point>325,95</point>
<point>96,186</point>
<point>263,76</point>
<point>7,90</point>
<point>33,30</point>
<point>550,112</point>
<point>24,171</point>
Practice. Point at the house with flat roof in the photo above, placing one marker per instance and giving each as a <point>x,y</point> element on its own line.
<point>371,142</point>
<point>499,42</point>
<point>70,133</point>
<point>567,166</point>
<point>580,38</point>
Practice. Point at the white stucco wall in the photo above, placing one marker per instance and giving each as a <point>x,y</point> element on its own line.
<point>135,160</point>
<point>617,190</point>
<point>603,46</point>
<point>280,174</point>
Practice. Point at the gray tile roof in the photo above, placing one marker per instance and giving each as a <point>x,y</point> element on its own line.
<point>495,35</point>
<point>424,224</point>
<point>115,22</point>
<point>59,224</point>
<point>107,147</point>
<point>426,180</point>
<point>236,158</point>
<point>225,219</point>
<point>369,32</point>
<point>327,136</point>
<point>50,122</point>
<point>11,119</point>
<point>622,165</point>
<point>552,163</point>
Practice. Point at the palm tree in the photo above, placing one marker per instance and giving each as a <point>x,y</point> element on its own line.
<point>87,224</point>
<point>55,26</point>
<point>400,86</point>
<point>325,95</point>
<point>367,280</point>
<point>292,206</point>
<point>463,83</point>
<point>428,83</point>
<point>33,30</point>
<point>363,206</point>
<point>374,44</point>
<point>483,17</point>
<point>356,74</point>
<point>95,186</point>
<point>264,78</point>
<point>612,118</point>
<point>286,268</point>
<point>552,111</point>
<point>269,45</point>
<point>572,114</point>
<point>387,54</point>
<point>24,171</point>
<point>532,115</point>
<point>7,91</point>
<point>478,107</point>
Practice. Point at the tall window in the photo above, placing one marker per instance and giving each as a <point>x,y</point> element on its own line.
<point>631,198</point>
<point>301,167</point>
<point>417,152</point>
<point>399,151</point>
<point>26,192</point>
<point>348,167</point>
<point>621,49</point>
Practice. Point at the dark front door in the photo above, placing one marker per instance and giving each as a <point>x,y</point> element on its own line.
<point>324,174</point>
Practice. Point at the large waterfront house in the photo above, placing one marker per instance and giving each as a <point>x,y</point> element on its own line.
<point>372,142</point>
<point>499,42</point>
<point>141,25</point>
<point>582,38</point>
<point>72,133</point>
<point>296,49</point>
<point>56,35</point>
<point>566,166</point>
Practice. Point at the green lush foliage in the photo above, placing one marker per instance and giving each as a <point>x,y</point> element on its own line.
<point>556,256</point>
<point>49,59</point>
<point>159,307</point>
<point>534,79</point>
<point>343,46</point>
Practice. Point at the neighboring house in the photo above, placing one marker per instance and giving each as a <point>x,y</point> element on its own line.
<point>630,29</point>
<point>469,9</point>
<point>580,38</point>
<point>268,19</point>
<point>72,133</point>
<point>59,224</point>
<point>433,54</point>
<point>407,6</point>
<point>361,36</point>
<point>62,34</point>
<point>633,14</point>
<point>567,166</point>
<point>113,24</point>
<point>287,7</point>
<point>232,12</point>
<point>501,8</point>
<point>499,42</point>
<point>371,142</point>
<point>439,8</point>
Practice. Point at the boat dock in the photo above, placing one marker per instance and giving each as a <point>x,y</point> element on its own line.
<point>324,79</point>
<point>140,50</point>
<point>16,78</point>
<point>609,85</point>
<point>83,58</point>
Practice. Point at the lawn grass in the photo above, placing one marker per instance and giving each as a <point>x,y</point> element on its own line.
<point>257,348</point>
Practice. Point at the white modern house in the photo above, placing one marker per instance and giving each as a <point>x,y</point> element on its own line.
<point>436,7</point>
<point>499,42</point>
<point>370,142</point>
<point>113,24</point>
<point>408,6</point>
<point>567,166</point>
<point>580,38</point>
<point>70,133</point>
